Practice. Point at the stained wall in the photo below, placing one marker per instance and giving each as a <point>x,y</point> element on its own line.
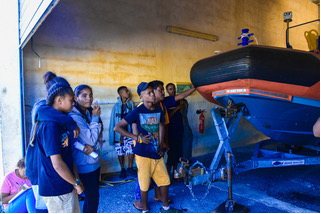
<point>109,43</point>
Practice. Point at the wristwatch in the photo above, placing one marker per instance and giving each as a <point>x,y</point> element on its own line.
<point>78,182</point>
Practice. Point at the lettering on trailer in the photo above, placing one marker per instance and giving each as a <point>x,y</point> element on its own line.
<point>288,163</point>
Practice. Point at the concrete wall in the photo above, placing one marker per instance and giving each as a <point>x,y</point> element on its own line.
<point>10,107</point>
<point>108,43</point>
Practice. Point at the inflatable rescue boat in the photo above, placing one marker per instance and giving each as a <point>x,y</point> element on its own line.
<point>279,87</point>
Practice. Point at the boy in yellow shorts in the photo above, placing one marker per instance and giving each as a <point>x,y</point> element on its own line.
<point>148,145</point>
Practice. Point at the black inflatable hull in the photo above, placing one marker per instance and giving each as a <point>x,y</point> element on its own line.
<point>258,62</point>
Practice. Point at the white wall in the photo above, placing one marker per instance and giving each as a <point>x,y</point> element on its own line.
<point>10,107</point>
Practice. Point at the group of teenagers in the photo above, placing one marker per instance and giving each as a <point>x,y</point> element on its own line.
<point>63,155</point>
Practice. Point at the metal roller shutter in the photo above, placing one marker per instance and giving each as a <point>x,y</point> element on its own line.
<point>31,14</point>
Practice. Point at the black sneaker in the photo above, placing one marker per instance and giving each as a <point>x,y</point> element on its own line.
<point>132,171</point>
<point>123,173</point>
<point>170,210</point>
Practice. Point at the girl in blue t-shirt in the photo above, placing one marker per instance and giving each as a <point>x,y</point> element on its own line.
<point>42,112</point>
<point>86,152</point>
<point>58,182</point>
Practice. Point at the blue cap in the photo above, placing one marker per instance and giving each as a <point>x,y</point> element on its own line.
<point>142,87</point>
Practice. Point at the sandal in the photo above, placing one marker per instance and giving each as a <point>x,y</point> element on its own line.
<point>137,207</point>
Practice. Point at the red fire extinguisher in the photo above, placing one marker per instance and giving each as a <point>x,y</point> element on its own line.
<point>201,120</point>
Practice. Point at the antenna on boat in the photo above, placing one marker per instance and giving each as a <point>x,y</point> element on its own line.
<point>287,18</point>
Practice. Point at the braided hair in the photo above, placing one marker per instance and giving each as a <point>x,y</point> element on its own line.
<point>56,86</point>
<point>58,89</point>
<point>50,78</point>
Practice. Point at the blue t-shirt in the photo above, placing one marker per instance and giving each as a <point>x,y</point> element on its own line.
<point>169,102</point>
<point>175,127</point>
<point>147,123</point>
<point>42,112</point>
<point>53,139</point>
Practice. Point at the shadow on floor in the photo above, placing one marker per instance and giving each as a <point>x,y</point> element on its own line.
<point>272,190</point>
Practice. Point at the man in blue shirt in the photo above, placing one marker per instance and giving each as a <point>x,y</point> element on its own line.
<point>148,145</point>
<point>174,130</point>
<point>180,136</point>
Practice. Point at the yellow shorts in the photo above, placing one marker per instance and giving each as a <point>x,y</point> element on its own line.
<point>151,168</point>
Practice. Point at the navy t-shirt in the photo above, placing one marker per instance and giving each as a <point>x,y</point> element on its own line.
<point>53,140</point>
<point>169,101</point>
<point>147,123</point>
<point>42,112</point>
<point>175,127</point>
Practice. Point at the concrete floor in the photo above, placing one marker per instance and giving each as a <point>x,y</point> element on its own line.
<point>278,190</point>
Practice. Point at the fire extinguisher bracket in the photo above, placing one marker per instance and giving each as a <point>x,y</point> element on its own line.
<point>200,111</point>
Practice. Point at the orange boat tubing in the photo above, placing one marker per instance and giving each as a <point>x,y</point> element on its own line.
<point>312,92</point>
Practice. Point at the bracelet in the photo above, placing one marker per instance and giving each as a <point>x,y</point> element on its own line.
<point>139,139</point>
<point>77,182</point>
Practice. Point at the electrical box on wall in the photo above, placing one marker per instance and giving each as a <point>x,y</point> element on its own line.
<point>183,86</point>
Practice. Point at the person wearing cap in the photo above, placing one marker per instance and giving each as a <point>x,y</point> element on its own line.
<point>57,179</point>
<point>148,145</point>
<point>158,101</point>
<point>165,103</point>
